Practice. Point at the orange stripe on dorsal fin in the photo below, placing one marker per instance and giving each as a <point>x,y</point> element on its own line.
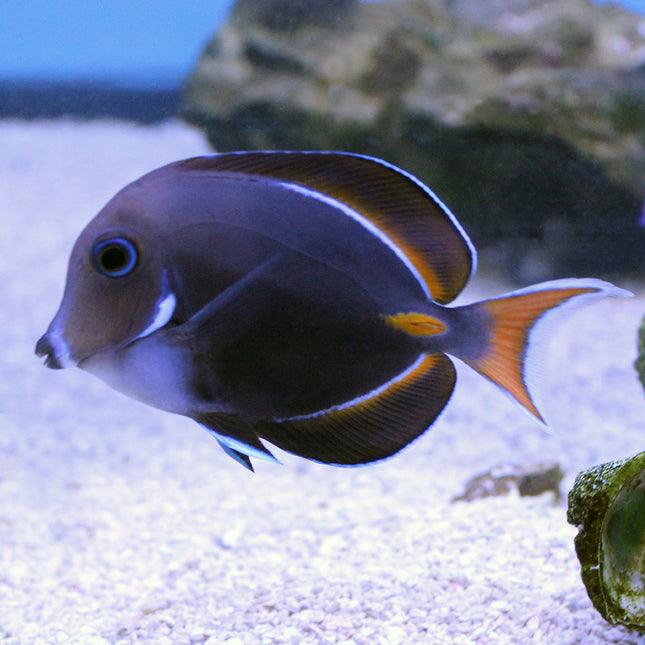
<point>394,201</point>
<point>372,428</point>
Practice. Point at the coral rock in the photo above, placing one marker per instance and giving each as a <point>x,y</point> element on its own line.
<point>525,116</point>
<point>607,504</point>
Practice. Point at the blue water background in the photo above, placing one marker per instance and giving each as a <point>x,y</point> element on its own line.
<point>131,42</point>
<point>136,42</point>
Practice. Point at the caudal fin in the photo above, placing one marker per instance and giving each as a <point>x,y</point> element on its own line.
<point>517,321</point>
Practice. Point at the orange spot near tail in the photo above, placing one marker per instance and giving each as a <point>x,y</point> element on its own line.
<point>513,320</point>
<point>416,324</point>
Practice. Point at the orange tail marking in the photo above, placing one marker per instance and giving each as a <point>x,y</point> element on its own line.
<point>513,319</point>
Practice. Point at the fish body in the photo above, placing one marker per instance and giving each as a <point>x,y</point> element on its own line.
<point>297,297</point>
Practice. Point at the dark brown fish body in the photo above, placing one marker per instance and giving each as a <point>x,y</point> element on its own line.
<point>298,297</point>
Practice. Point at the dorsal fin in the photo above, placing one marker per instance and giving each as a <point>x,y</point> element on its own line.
<point>397,203</point>
<point>372,428</point>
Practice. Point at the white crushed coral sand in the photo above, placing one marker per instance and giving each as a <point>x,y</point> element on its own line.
<point>121,524</point>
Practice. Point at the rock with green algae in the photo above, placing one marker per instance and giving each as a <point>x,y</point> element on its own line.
<point>640,360</point>
<point>526,117</point>
<point>607,504</point>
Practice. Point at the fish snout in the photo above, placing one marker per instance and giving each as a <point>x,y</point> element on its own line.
<point>55,351</point>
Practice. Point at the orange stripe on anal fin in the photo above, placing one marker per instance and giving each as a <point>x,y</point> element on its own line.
<point>513,319</point>
<point>372,428</point>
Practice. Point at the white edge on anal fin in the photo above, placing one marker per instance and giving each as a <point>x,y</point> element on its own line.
<point>358,399</point>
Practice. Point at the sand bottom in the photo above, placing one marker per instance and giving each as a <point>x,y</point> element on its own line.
<point>121,524</point>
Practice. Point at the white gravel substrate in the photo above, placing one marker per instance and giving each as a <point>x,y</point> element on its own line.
<point>121,524</point>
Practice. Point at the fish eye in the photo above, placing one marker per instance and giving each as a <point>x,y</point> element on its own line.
<point>115,257</point>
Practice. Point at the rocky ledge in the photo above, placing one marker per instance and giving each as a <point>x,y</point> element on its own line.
<point>527,117</point>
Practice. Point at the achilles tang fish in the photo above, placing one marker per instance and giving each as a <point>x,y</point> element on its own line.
<point>294,297</point>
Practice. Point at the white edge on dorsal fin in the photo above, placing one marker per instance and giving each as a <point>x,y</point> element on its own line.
<point>363,221</point>
<point>392,167</point>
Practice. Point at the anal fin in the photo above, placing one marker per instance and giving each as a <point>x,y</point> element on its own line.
<point>372,427</point>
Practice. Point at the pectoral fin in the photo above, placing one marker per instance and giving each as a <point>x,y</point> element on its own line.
<point>235,437</point>
<point>240,457</point>
<point>236,303</point>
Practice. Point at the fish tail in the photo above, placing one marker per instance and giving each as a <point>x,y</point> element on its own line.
<point>518,323</point>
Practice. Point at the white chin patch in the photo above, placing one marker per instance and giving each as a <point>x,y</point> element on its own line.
<point>163,313</point>
<point>61,350</point>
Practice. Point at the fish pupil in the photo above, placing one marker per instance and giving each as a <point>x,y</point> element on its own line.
<point>115,257</point>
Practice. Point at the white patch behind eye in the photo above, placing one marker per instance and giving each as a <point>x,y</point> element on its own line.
<point>163,312</point>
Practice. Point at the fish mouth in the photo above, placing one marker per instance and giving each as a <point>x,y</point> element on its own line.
<point>55,351</point>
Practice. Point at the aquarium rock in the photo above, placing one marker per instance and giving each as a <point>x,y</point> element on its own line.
<point>640,360</point>
<point>607,504</point>
<point>529,481</point>
<point>526,117</point>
